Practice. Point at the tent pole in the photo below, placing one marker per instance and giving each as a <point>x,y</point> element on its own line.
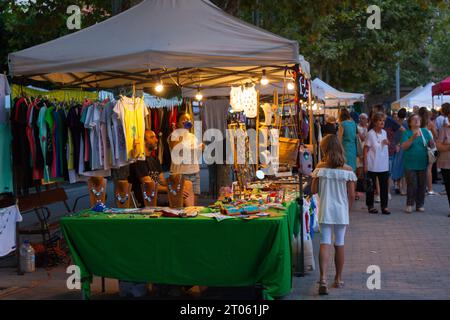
<point>258,95</point>
<point>300,272</point>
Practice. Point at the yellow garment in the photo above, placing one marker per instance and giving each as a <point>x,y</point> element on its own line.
<point>58,95</point>
<point>134,113</point>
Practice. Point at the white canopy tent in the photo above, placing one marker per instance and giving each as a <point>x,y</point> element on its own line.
<point>421,97</point>
<point>184,42</point>
<point>403,102</point>
<point>332,97</point>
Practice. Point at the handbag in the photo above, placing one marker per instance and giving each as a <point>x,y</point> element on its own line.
<point>430,151</point>
<point>359,147</point>
<point>364,184</point>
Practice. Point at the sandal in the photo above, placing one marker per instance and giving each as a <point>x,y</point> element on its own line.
<point>373,211</point>
<point>338,284</point>
<point>385,211</point>
<point>323,288</point>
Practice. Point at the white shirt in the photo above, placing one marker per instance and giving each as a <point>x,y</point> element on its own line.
<point>8,219</point>
<point>441,121</point>
<point>378,154</point>
<point>185,155</point>
<point>333,206</point>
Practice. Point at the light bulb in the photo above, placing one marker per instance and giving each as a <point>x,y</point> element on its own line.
<point>159,87</point>
<point>291,86</point>
<point>199,96</point>
<point>264,79</point>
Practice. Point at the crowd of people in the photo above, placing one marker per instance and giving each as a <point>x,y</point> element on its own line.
<point>399,151</point>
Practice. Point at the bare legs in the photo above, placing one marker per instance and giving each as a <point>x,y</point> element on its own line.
<point>339,259</point>
<point>339,263</point>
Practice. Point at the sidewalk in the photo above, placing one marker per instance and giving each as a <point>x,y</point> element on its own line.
<point>412,251</point>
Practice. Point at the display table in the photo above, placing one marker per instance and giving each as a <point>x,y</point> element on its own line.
<point>184,251</point>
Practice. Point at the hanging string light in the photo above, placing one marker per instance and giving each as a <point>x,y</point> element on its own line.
<point>264,80</point>
<point>159,87</point>
<point>199,95</point>
<point>291,86</point>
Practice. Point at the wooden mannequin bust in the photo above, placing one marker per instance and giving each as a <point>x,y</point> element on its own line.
<point>122,194</point>
<point>150,193</point>
<point>97,190</point>
<point>176,191</point>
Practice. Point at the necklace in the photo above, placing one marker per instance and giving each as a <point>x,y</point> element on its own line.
<point>378,137</point>
<point>97,193</point>
<point>175,192</point>
<point>152,196</point>
<point>121,199</point>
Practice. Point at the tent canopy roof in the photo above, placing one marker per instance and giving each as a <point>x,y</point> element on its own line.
<point>332,97</point>
<point>420,97</point>
<point>185,40</point>
<point>442,87</point>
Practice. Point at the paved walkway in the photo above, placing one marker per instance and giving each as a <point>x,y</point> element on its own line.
<point>412,251</point>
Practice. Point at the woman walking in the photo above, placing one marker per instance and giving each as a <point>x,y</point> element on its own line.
<point>427,124</point>
<point>443,145</point>
<point>415,159</point>
<point>376,163</point>
<point>335,183</point>
<point>347,135</point>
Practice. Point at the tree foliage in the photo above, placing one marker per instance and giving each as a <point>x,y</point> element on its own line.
<point>333,35</point>
<point>334,38</point>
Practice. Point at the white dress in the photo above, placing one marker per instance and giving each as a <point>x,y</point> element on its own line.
<point>333,207</point>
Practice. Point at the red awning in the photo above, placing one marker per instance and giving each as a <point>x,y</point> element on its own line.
<point>442,87</point>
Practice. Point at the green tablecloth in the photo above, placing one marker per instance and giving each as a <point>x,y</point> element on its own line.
<point>198,251</point>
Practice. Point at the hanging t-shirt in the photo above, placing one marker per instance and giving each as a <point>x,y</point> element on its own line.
<point>250,102</point>
<point>378,153</point>
<point>42,125</point>
<point>8,219</point>
<point>132,113</point>
<point>236,99</point>
<point>6,184</point>
<point>4,91</point>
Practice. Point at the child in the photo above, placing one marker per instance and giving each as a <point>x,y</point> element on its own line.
<point>335,183</point>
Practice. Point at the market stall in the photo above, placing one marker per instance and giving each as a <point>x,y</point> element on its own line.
<point>441,89</point>
<point>144,49</point>
<point>421,97</point>
<point>331,97</point>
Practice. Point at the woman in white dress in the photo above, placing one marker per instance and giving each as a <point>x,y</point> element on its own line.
<point>335,183</point>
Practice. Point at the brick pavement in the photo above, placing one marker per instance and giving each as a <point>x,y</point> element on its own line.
<point>413,252</point>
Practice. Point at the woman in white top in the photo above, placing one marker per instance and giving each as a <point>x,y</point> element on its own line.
<point>185,152</point>
<point>376,163</point>
<point>335,183</point>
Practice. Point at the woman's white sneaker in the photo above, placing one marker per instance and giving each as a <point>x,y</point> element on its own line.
<point>408,209</point>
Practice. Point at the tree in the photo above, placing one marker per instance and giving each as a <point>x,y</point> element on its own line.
<point>333,36</point>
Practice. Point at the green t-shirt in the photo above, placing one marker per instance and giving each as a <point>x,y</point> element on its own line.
<point>416,157</point>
